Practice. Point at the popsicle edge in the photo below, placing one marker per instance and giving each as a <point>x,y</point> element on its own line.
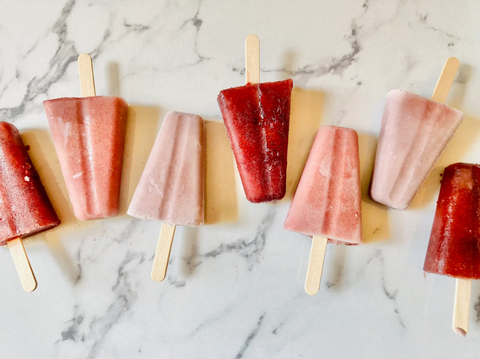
<point>22,264</point>
<point>315,265</point>
<point>461,307</point>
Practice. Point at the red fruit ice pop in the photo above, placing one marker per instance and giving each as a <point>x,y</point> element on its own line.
<point>257,118</point>
<point>25,209</point>
<point>454,247</point>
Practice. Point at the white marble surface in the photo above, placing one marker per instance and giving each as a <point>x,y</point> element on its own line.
<point>234,290</point>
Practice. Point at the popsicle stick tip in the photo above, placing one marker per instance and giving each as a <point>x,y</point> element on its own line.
<point>311,290</point>
<point>87,80</point>
<point>162,255</point>
<point>453,61</point>
<point>315,265</point>
<point>31,287</point>
<point>461,309</point>
<point>158,277</point>
<point>252,38</point>
<point>22,264</point>
<point>84,57</point>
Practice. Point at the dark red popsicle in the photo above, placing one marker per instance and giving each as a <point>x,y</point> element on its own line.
<point>454,248</point>
<point>24,205</point>
<point>257,118</point>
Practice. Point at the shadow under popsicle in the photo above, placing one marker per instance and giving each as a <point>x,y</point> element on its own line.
<point>334,278</point>
<point>375,225</point>
<point>141,131</point>
<point>305,117</point>
<point>44,158</point>
<point>220,188</point>
<point>187,238</point>
<point>466,135</point>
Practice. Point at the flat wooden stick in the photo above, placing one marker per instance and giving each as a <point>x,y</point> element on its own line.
<point>24,269</point>
<point>252,59</point>
<point>446,79</point>
<point>162,256</point>
<point>315,265</point>
<point>461,308</point>
<point>85,70</point>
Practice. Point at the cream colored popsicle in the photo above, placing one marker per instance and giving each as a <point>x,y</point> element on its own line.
<point>327,203</point>
<point>415,131</point>
<point>171,188</point>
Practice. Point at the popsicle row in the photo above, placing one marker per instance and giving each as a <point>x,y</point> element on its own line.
<point>89,133</point>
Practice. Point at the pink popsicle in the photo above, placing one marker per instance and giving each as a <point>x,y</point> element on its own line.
<point>171,189</point>
<point>415,131</point>
<point>89,135</point>
<point>327,202</point>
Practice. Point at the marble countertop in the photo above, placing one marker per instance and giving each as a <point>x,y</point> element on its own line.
<point>235,286</point>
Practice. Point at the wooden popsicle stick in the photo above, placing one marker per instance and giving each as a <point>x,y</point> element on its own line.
<point>162,255</point>
<point>24,269</point>
<point>446,79</point>
<point>252,59</point>
<point>461,308</point>
<point>85,70</point>
<point>315,265</point>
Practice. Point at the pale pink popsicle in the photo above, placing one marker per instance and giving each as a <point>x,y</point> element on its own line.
<point>327,202</point>
<point>171,188</point>
<point>89,136</point>
<point>415,131</point>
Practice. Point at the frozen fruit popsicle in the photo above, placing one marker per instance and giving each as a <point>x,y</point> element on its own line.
<point>25,209</point>
<point>257,118</point>
<point>89,135</point>
<point>454,247</point>
<point>414,133</point>
<point>327,202</point>
<point>171,188</point>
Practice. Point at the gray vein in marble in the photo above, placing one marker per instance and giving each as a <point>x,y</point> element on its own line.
<point>250,250</point>
<point>196,22</point>
<point>335,66</point>
<point>72,332</point>
<point>250,337</point>
<point>100,327</point>
<point>275,331</point>
<point>423,20</point>
<point>219,316</point>
<point>391,295</point>
<point>64,55</point>
<point>136,27</point>
<point>477,309</point>
<point>126,234</point>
